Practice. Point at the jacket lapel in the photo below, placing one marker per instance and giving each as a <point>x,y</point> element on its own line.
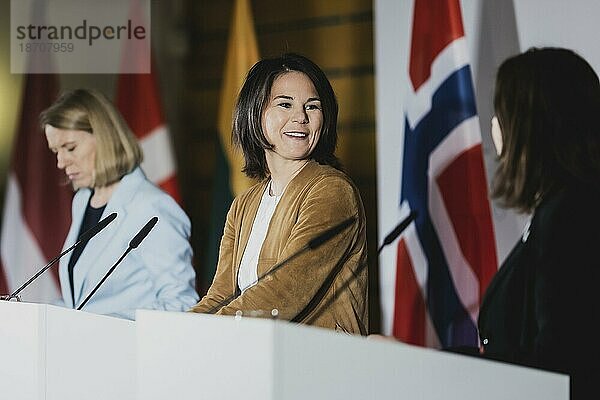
<point>248,215</point>
<point>101,251</point>
<point>281,223</point>
<point>96,258</point>
<point>78,209</point>
<point>271,246</point>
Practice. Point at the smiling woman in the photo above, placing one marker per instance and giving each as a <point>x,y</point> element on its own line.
<point>286,125</point>
<point>292,121</point>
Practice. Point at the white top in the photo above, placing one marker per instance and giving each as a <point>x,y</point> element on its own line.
<point>248,273</point>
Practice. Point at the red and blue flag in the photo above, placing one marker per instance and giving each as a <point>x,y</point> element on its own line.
<point>447,257</point>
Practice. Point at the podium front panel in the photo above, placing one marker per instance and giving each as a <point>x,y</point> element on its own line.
<point>22,351</point>
<point>89,356</point>
<point>323,364</point>
<point>54,353</point>
<point>188,355</point>
<point>211,357</point>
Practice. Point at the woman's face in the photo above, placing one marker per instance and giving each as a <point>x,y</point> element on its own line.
<point>292,119</point>
<point>75,154</point>
<point>497,135</point>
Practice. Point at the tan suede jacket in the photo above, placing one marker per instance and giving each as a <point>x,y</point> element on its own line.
<point>316,199</point>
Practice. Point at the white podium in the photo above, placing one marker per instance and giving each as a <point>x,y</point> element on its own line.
<point>184,356</point>
<point>54,353</point>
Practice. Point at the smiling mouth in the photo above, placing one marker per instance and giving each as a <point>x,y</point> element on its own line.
<point>300,135</point>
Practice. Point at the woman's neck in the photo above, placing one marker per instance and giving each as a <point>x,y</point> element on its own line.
<point>102,195</point>
<point>282,173</point>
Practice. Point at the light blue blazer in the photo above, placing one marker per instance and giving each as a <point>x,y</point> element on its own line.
<point>157,275</point>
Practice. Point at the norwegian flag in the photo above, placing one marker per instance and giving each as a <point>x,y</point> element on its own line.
<point>138,100</point>
<point>447,257</point>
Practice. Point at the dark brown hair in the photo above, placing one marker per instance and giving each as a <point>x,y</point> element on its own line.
<point>254,95</point>
<point>547,102</point>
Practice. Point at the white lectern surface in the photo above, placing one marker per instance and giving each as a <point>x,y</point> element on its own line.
<point>185,355</point>
<point>54,353</point>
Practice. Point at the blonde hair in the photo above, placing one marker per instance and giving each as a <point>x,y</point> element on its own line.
<point>117,150</point>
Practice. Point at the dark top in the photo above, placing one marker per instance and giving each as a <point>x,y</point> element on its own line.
<point>90,218</point>
<point>542,307</point>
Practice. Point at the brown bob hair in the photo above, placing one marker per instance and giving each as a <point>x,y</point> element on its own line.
<point>253,98</point>
<point>547,101</point>
<point>117,150</point>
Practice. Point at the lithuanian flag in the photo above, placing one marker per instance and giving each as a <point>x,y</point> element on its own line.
<point>242,54</point>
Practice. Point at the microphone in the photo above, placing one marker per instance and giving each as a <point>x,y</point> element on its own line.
<point>141,235</point>
<point>388,239</point>
<point>312,244</point>
<point>398,230</point>
<point>133,244</point>
<point>90,233</point>
<point>85,236</point>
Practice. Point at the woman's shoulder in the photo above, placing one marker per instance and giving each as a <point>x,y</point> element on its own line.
<point>149,192</point>
<point>326,185</point>
<point>148,197</point>
<point>315,174</point>
<point>572,212</point>
<point>575,201</point>
<point>254,191</point>
<point>313,178</point>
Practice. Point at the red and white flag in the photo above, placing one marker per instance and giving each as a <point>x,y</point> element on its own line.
<point>37,208</point>
<point>138,99</point>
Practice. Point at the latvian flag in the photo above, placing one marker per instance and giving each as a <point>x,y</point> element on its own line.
<point>446,259</point>
<point>37,206</point>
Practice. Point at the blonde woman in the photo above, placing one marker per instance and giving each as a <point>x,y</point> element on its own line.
<point>101,159</point>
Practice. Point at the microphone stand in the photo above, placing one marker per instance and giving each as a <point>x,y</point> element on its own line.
<point>333,298</point>
<point>86,236</point>
<point>133,244</point>
<point>277,266</point>
<point>311,245</point>
<point>41,271</point>
<point>104,278</point>
<point>401,227</point>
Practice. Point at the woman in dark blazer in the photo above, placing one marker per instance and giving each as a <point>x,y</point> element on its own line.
<point>542,308</point>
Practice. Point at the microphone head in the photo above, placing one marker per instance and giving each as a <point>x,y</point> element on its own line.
<point>93,231</point>
<point>399,229</point>
<point>141,235</point>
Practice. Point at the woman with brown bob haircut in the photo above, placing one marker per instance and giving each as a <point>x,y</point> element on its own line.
<point>285,123</point>
<point>543,300</point>
<point>101,159</point>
